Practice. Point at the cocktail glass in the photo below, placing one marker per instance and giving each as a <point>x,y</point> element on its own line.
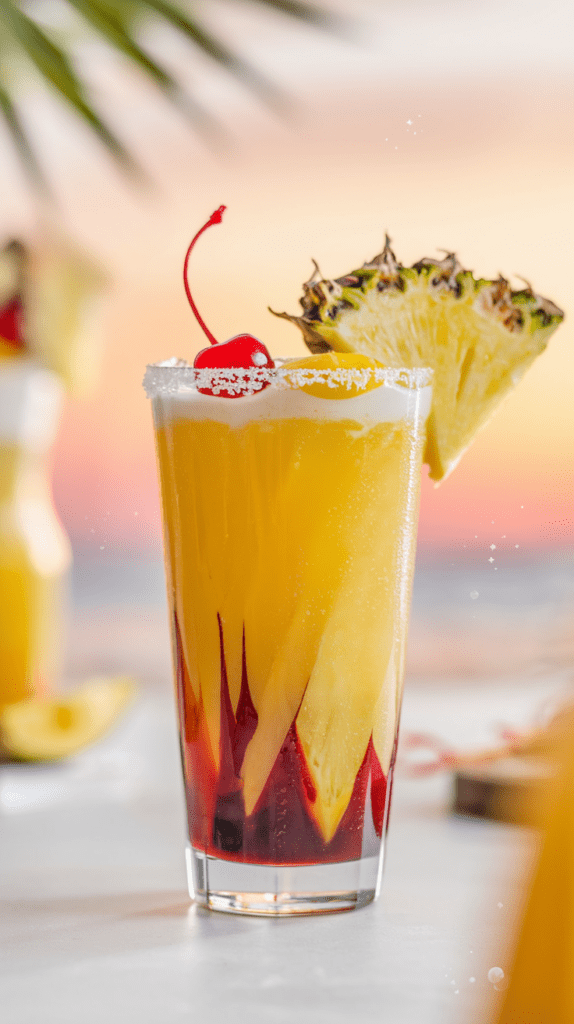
<point>289,520</point>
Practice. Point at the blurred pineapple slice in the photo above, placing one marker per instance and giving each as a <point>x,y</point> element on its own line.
<point>62,305</point>
<point>50,295</point>
<point>41,729</point>
<point>478,336</point>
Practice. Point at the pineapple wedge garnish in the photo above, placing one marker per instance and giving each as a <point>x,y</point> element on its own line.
<point>478,336</point>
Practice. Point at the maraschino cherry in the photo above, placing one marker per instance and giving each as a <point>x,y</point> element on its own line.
<point>11,323</point>
<point>243,352</point>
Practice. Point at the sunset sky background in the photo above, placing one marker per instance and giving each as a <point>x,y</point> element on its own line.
<point>448,125</point>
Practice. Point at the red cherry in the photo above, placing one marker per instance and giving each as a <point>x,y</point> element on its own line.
<point>243,352</point>
<point>11,327</point>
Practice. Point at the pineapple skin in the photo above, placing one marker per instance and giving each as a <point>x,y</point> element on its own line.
<point>478,336</point>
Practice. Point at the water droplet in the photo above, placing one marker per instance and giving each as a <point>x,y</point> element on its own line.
<point>495,975</point>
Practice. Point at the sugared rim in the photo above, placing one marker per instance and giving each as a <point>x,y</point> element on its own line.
<point>175,376</point>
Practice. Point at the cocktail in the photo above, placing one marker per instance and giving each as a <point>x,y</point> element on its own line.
<point>290,522</point>
<point>290,497</point>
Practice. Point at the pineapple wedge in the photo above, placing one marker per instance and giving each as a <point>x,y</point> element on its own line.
<point>477,335</point>
<point>40,729</point>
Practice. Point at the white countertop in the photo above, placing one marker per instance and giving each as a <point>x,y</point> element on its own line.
<point>97,926</point>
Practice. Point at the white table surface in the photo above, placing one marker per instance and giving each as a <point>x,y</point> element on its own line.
<point>97,927</point>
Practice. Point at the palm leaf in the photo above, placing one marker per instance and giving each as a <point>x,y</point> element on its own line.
<point>20,140</point>
<point>55,68</point>
<point>112,22</point>
<point>115,22</point>
<point>194,31</point>
<point>305,12</point>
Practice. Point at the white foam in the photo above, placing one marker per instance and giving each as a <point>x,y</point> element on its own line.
<point>402,394</point>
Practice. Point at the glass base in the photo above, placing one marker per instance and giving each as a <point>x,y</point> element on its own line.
<point>281,889</point>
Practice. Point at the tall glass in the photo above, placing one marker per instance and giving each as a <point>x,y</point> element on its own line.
<point>289,521</point>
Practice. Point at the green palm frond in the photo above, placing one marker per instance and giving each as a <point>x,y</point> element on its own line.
<point>305,12</point>
<point>20,140</point>
<point>25,41</point>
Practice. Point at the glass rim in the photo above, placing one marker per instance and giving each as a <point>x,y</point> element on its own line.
<point>174,376</point>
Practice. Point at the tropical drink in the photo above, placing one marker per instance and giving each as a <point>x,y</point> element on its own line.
<point>289,520</point>
<point>290,496</point>
<point>34,551</point>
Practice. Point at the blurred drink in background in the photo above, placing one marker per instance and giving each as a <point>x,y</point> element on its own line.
<point>35,554</point>
<point>47,347</point>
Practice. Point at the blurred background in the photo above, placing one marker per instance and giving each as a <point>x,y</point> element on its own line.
<point>447,125</point>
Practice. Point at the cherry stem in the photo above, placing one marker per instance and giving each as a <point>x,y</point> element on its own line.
<point>215,218</point>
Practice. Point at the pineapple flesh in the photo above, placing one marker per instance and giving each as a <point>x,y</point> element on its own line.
<point>51,729</point>
<point>479,336</point>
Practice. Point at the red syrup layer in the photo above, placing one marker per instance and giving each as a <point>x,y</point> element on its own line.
<point>282,828</point>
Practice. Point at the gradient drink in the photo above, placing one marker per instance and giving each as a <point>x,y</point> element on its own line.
<point>289,520</point>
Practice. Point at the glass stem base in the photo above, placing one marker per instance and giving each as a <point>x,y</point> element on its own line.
<point>277,890</point>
